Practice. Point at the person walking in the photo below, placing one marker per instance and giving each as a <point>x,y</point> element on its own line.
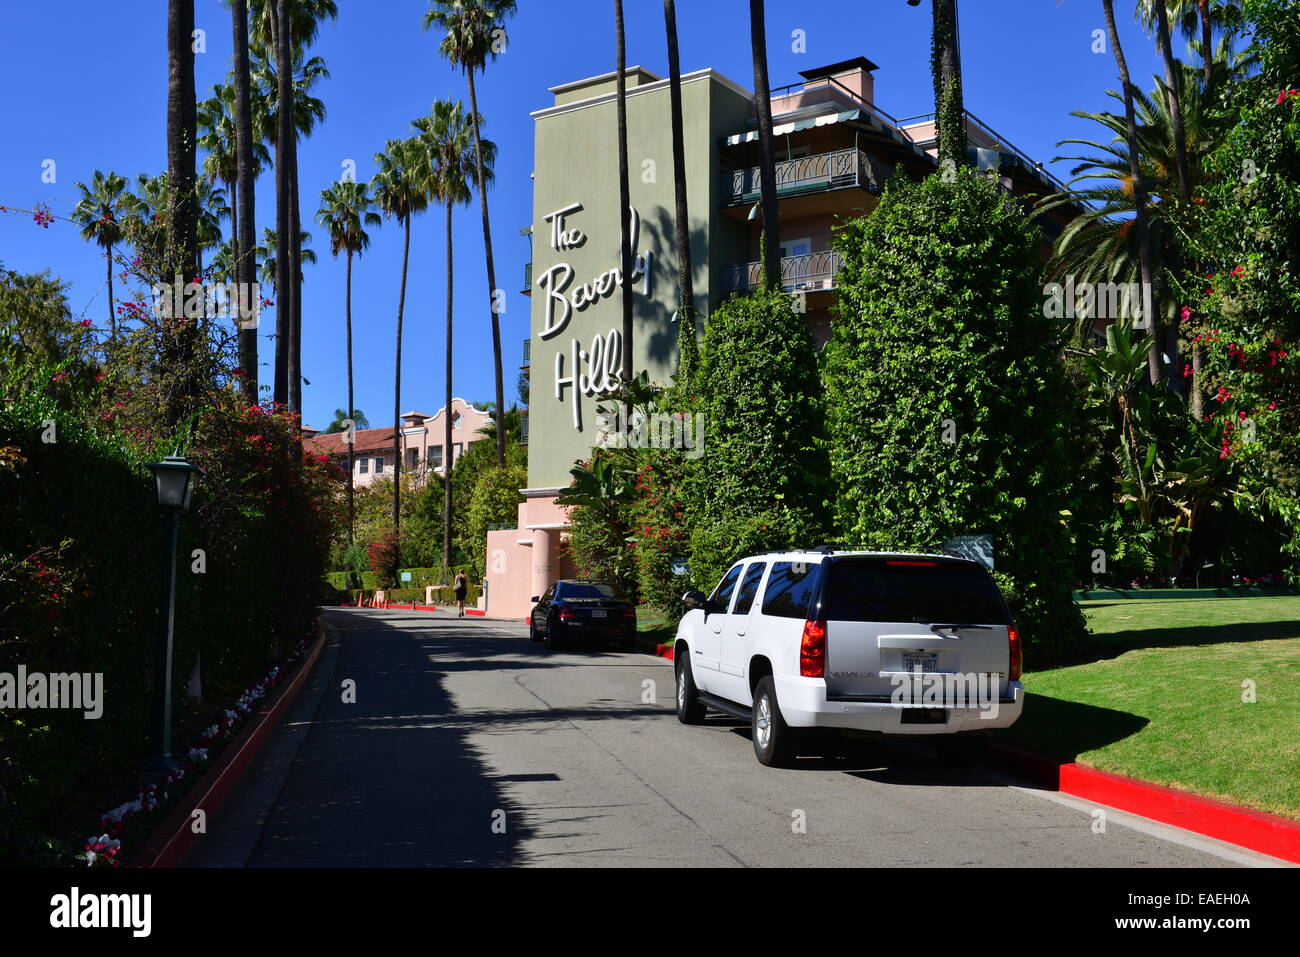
<point>460,587</point>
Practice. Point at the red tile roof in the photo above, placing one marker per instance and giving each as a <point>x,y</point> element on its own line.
<point>366,440</point>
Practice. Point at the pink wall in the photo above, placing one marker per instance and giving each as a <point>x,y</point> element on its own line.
<point>523,561</point>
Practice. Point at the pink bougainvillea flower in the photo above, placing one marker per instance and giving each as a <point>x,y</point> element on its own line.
<point>1239,271</point>
<point>1186,313</point>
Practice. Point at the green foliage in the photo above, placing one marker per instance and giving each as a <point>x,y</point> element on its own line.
<point>944,395</point>
<point>495,500</point>
<point>716,545</point>
<point>757,387</point>
<point>386,560</point>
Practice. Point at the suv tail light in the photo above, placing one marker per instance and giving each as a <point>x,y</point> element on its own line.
<point>1017,659</point>
<point>566,613</point>
<point>812,650</point>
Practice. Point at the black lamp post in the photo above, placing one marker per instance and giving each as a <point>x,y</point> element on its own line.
<point>175,477</point>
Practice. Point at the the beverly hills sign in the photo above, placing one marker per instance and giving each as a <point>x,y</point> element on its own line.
<point>593,367</point>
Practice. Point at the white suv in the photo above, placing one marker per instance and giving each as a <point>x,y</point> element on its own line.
<point>897,643</point>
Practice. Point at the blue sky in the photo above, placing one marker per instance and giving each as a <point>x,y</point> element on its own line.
<point>85,85</point>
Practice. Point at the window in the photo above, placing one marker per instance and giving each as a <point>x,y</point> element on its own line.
<point>589,590</point>
<point>455,421</point>
<point>722,594</point>
<point>911,590</point>
<point>749,588</point>
<point>379,465</point>
<point>363,466</point>
<point>795,247</point>
<point>790,589</point>
<point>412,457</point>
<point>435,456</point>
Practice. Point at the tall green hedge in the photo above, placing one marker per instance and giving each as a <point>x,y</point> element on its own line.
<point>945,397</point>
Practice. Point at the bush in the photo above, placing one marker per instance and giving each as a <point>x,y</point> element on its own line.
<point>386,560</point>
<point>495,499</point>
<point>945,407</point>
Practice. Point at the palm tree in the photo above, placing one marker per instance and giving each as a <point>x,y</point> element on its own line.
<point>266,253</point>
<point>624,190</point>
<point>770,245</point>
<point>358,418</point>
<point>289,27</point>
<point>451,162</point>
<point>687,348</point>
<point>1195,20</point>
<point>246,173</point>
<point>1155,368</point>
<point>345,211</point>
<point>399,190</point>
<point>1175,100</point>
<point>97,211</point>
<point>278,13</point>
<point>474,32</point>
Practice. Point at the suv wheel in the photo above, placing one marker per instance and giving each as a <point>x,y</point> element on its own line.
<point>774,740</point>
<point>689,708</point>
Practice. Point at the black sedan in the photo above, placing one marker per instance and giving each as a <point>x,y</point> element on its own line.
<point>583,611</point>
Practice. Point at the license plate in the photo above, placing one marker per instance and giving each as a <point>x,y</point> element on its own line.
<point>921,661</point>
<point>598,613</point>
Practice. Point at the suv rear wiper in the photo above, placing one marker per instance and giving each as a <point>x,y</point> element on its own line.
<point>959,625</point>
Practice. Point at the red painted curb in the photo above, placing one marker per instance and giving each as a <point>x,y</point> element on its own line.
<point>475,611</point>
<point>1266,833</point>
<point>173,839</point>
<point>664,651</point>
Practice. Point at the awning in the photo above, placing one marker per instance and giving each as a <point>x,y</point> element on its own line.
<point>825,119</point>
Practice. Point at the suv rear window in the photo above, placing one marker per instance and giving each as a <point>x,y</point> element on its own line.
<point>906,590</point>
<point>790,589</point>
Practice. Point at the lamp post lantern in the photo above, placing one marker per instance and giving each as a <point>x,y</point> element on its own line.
<point>175,478</point>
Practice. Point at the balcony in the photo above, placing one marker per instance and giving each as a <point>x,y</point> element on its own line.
<point>820,172</point>
<point>528,279</point>
<point>814,272</point>
<point>528,354</point>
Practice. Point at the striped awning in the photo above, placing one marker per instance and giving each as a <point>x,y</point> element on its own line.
<point>825,119</point>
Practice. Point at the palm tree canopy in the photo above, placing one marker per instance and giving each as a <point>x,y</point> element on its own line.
<point>448,140</point>
<point>99,206</point>
<point>266,253</point>
<point>216,125</point>
<point>399,184</point>
<point>358,417</point>
<point>473,30</point>
<point>308,111</point>
<point>305,18</point>
<point>346,209</point>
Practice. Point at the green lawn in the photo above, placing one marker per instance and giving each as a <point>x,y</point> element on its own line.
<point>1162,698</point>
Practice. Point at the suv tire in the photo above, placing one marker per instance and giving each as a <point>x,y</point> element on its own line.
<point>774,740</point>
<point>690,710</point>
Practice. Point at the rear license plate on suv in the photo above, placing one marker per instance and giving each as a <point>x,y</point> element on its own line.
<point>920,661</point>
<point>924,716</point>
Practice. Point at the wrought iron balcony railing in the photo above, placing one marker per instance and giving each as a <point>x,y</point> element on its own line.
<point>814,272</point>
<point>804,174</point>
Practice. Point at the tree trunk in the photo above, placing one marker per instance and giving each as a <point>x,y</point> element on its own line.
<point>687,350</point>
<point>283,221</point>
<point>397,388</point>
<point>624,194</point>
<point>112,318</point>
<point>1175,102</point>
<point>351,431</point>
<point>1207,44</point>
<point>949,109</point>
<point>295,278</point>
<point>246,260</point>
<point>1154,366</point>
<point>182,202</point>
<point>770,248</point>
<point>491,275</point>
<point>446,419</point>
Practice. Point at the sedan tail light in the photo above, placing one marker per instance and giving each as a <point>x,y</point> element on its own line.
<point>1017,657</point>
<point>812,650</point>
<point>566,613</point>
<point>630,614</point>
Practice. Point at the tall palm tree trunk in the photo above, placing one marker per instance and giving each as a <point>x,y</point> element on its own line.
<point>245,260</point>
<point>1154,366</point>
<point>351,430</point>
<point>686,344</point>
<point>397,387</point>
<point>295,280</point>
<point>446,419</point>
<point>182,213</point>
<point>491,272</point>
<point>1175,102</point>
<point>1207,43</point>
<point>770,247</point>
<point>283,191</point>
<point>624,195</point>
<point>112,316</point>
<point>949,110</point>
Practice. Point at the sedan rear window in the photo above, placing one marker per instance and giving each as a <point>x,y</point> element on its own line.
<point>910,590</point>
<point>588,590</point>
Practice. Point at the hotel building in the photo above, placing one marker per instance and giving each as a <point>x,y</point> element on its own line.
<point>835,150</point>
